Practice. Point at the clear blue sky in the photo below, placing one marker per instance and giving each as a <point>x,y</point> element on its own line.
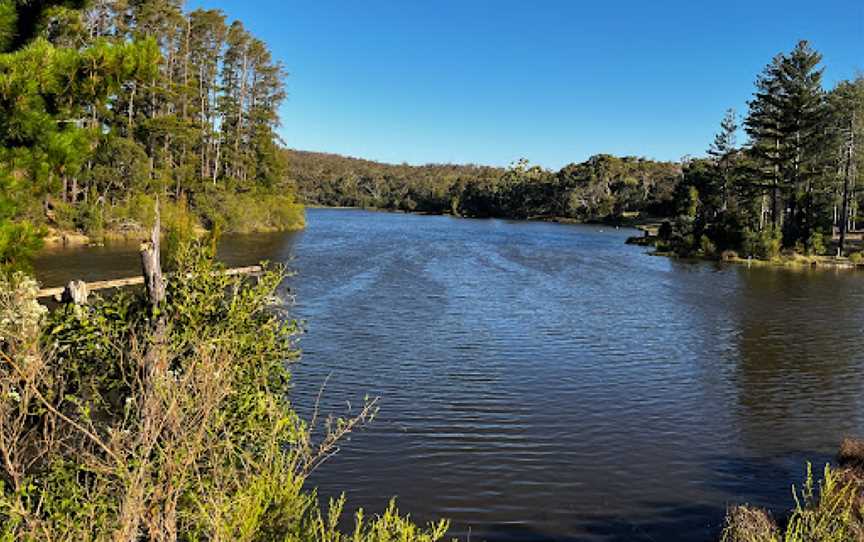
<point>554,81</point>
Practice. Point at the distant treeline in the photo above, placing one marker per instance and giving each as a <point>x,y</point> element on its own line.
<point>602,188</point>
<point>792,185</point>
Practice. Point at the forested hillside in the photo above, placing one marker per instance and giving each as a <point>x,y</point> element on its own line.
<point>106,105</point>
<point>603,188</point>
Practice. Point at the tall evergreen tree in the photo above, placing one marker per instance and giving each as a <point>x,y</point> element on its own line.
<point>723,151</point>
<point>802,101</point>
<point>763,125</point>
<point>783,124</point>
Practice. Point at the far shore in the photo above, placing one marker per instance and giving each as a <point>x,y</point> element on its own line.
<point>789,260</point>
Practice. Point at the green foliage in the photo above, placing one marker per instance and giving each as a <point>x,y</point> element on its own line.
<point>18,243</point>
<point>827,513</point>
<point>180,227</point>
<point>765,244</point>
<point>816,244</point>
<point>173,421</point>
<point>91,116</point>
<point>250,212</point>
<point>797,168</point>
<point>708,248</point>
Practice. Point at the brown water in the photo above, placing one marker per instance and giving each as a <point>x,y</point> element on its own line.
<point>548,382</point>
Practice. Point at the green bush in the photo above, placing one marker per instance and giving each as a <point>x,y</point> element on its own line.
<point>816,244</point>
<point>65,216</point>
<point>707,248</point>
<point>135,213</point>
<point>765,244</point>
<point>250,212</point>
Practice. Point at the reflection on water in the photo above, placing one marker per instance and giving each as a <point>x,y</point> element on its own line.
<point>548,382</point>
<point>56,266</point>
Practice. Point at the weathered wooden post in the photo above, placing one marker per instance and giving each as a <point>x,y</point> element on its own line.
<point>76,293</point>
<point>154,281</point>
<point>151,264</point>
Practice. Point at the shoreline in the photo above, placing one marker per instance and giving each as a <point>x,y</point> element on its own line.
<point>787,261</point>
<point>74,239</point>
<point>626,223</point>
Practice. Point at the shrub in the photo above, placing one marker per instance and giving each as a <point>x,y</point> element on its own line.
<point>65,216</point>
<point>707,247</point>
<point>747,524</point>
<point>765,244</point>
<point>180,226</point>
<point>134,214</point>
<point>816,244</point>
<point>250,212</point>
<point>857,258</point>
<point>91,220</point>
<point>21,316</point>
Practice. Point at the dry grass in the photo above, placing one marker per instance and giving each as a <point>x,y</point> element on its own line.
<point>749,524</point>
<point>851,453</point>
<point>831,510</point>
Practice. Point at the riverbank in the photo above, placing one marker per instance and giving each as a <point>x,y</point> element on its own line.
<point>787,259</point>
<point>131,219</point>
<point>831,508</point>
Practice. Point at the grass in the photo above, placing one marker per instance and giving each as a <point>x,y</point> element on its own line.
<point>828,510</point>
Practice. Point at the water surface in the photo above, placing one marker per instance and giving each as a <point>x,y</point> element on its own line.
<point>548,382</point>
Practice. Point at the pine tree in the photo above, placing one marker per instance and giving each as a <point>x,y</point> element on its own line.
<point>723,151</point>
<point>802,101</point>
<point>783,125</point>
<point>763,125</point>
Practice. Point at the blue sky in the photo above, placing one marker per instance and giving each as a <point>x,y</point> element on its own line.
<point>554,81</point>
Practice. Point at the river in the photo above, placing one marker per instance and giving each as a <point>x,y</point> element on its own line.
<point>541,381</point>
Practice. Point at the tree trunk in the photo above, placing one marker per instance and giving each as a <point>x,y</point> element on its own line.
<point>74,190</point>
<point>847,177</point>
<point>131,111</point>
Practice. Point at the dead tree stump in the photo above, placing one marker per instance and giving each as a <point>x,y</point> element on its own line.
<point>154,282</point>
<point>76,293</point>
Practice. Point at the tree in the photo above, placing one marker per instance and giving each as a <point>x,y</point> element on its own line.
<point>783,125</point>
<point>845,131</point>
<point>723,151</point>
<point>802,101</point>
<point>763,125</point>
